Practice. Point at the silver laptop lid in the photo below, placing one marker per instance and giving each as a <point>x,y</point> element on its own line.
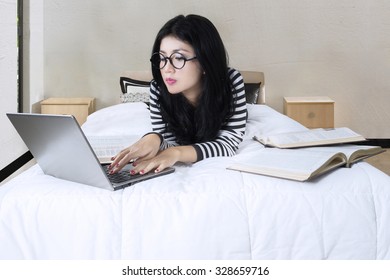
<point>60,148</point>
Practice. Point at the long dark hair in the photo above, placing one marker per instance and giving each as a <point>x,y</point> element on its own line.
<point>192,124</point>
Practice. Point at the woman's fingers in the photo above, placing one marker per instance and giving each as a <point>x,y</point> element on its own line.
<point>121,159</point>
<point>146,167</point>
<point>140,152</point>
<point>129,155</point>
<point>156,164</point>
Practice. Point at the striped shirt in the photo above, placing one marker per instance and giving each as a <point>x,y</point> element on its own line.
<point>228,138</point>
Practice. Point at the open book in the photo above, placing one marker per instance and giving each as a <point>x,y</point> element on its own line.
<point>304,164</point>
<point>105,147</point>
<point>314,137</point>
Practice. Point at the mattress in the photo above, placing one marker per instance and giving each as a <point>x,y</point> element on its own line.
<point>201,211</point>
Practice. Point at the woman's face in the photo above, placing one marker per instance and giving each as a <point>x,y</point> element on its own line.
<point>186,80</point>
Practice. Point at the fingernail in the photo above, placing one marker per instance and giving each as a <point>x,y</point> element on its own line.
<point>142,172</point>
<point>132,172</point>
<point>134,164</point>
<point>157,170</point>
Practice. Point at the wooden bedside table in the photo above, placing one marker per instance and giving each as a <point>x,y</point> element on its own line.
<point>80,108</point>
<point>311,111</point>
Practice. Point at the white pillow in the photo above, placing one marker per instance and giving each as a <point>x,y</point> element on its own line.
<point>134,90</point>
<point>135,94</point>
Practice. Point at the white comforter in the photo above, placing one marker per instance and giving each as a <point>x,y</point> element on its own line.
<point>202,211</point>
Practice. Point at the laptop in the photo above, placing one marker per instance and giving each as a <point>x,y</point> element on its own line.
<point>62,150</point>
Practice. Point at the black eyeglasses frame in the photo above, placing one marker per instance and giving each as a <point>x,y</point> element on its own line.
<point>166,58</point>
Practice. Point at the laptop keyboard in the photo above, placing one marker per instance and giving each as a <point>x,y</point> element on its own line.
<point>125,176</point>
<point>120,176</point>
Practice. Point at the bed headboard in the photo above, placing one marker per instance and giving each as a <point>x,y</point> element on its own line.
<point>135,86</point>
<point>254,84</point>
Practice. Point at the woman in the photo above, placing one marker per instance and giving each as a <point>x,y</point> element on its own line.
<point>197,103</point>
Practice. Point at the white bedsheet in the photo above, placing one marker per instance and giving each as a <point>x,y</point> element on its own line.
<point>202,211</point>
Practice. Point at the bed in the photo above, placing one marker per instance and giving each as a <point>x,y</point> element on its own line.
<point>202,211</point>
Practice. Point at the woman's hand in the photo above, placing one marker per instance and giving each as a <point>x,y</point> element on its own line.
<point>145,148</point>
<point>165,159</point>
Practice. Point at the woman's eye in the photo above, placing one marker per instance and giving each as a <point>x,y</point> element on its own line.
<point>179,57</point>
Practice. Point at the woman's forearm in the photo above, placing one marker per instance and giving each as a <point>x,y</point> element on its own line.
<point>186,154</point>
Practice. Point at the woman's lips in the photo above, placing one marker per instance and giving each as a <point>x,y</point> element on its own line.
<point>170,81</point>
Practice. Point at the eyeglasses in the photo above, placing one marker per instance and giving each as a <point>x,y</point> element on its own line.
<point>176,59</point>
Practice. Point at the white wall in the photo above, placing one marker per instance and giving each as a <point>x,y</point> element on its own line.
<point>338,48</point>
<point>33,87</point>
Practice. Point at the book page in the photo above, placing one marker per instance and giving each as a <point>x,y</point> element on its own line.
<point>296,164</point>
<point>311,137</point>
<point>353,153</point>
<point>106,147</point>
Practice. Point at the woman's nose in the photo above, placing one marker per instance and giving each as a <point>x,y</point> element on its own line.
<point>169,67</point>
